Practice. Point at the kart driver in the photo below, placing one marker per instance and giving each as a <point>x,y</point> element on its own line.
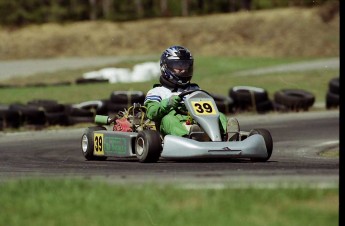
<point>162,101</point>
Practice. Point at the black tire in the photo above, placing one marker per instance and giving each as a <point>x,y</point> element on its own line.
<point>264,107</point>
<point>148,146</point>
<point>50,106</point>
<point>91,80</point>
<point>30,115</point>
<point>268,141</point>
<point>295,99</point>
<point>104,109</point>
<point>333,85</point>
<point>87,143</point>
<point>279,107</point>
<point>225,104</point>
<point>332,100</point>
<point>57,118</point>
<point>42,102</point>
<point>246,97</point>
<point>127,97</point>
<point>10,118</point>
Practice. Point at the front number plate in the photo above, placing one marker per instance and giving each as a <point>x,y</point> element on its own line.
<point>98,144</point>
<point>203,107</point>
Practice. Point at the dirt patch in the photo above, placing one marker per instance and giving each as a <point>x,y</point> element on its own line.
<point>330,153</point>
<point>292,32</point>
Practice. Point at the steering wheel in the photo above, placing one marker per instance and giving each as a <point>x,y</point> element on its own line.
<point>185,93</point>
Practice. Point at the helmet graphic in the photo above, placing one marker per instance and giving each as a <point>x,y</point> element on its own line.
<point>176,65</point>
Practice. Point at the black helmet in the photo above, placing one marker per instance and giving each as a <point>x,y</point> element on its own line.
<point>176,58</point>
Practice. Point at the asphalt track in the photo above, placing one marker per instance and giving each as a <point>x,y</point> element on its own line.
<point>298,140</point>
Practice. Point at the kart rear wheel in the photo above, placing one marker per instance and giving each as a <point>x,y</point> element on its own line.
<point>148,146</point>
<point>268,141</point>
<point>87,143</point>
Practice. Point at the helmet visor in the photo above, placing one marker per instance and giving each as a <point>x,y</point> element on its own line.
<point>180,64</point>
<point>181,68</point>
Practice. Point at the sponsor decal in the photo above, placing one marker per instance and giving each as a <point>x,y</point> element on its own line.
<point>115,145</point>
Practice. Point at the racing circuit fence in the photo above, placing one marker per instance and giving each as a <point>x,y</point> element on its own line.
<point>43,113</point>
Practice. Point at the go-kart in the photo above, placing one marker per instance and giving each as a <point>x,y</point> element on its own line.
<point>134,135</point>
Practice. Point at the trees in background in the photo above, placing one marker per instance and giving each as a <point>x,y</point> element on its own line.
<point>22,12</point>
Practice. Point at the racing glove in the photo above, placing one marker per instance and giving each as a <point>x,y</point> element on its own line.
<point>170,103</point>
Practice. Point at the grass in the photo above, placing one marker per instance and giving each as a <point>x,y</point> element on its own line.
<point>214,74</point>
<point>293,32</point>
<point>81,202</point>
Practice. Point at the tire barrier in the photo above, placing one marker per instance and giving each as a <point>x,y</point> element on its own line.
<point>295,99</point>
<point>225,104</point>
<point>127,97</point>
<point>333,85</point>
<point>332,96</point>
<point>266,106</point>
<point>45,112</point>
<point>29,115</point>
<point>90,80</point>
<point>115,108</point>
<point>119,100</point>
<point>99,107</point>
<point>9,118</point>
<point>250,98</point>
<point>40,84</point>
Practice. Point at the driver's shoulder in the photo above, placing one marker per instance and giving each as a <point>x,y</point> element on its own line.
<point>159,90</point>
<point>193,86</point>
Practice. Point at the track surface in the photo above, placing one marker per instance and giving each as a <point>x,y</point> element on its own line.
<point>298,138</point>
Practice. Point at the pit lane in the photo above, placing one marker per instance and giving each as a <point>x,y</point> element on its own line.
<point>298,140</point>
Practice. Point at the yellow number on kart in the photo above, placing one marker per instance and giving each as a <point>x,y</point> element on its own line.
<point>203,108</point>
<point>98,144</point>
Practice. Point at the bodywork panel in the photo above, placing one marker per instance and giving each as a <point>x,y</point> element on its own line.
<point>179,147</point>
<point>122,144</point>
<point>113,143</point>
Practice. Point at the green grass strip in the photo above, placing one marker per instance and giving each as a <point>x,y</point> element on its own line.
<point>214,74</point>
<point>82,202</point>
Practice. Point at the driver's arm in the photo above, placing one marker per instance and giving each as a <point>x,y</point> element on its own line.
<point>156,110</point>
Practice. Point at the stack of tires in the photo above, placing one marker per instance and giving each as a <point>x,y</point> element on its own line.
<point>249,98</point>
<point>225,104</point>
<point>41,113</point>
<point>9,118</point>
<point>54,113</point>
<point>332,96</point>
<point>294,99</point>
<point>120,100</point>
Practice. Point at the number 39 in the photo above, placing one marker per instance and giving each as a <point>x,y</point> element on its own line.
<point>203,108</point>
<point>98,143</point>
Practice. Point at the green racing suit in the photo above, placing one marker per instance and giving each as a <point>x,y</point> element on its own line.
<point>171,120</point>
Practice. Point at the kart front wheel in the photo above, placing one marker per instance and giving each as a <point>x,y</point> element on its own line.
<point>148,146</point>
<point>87,143</point>
<point>268,141</point>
